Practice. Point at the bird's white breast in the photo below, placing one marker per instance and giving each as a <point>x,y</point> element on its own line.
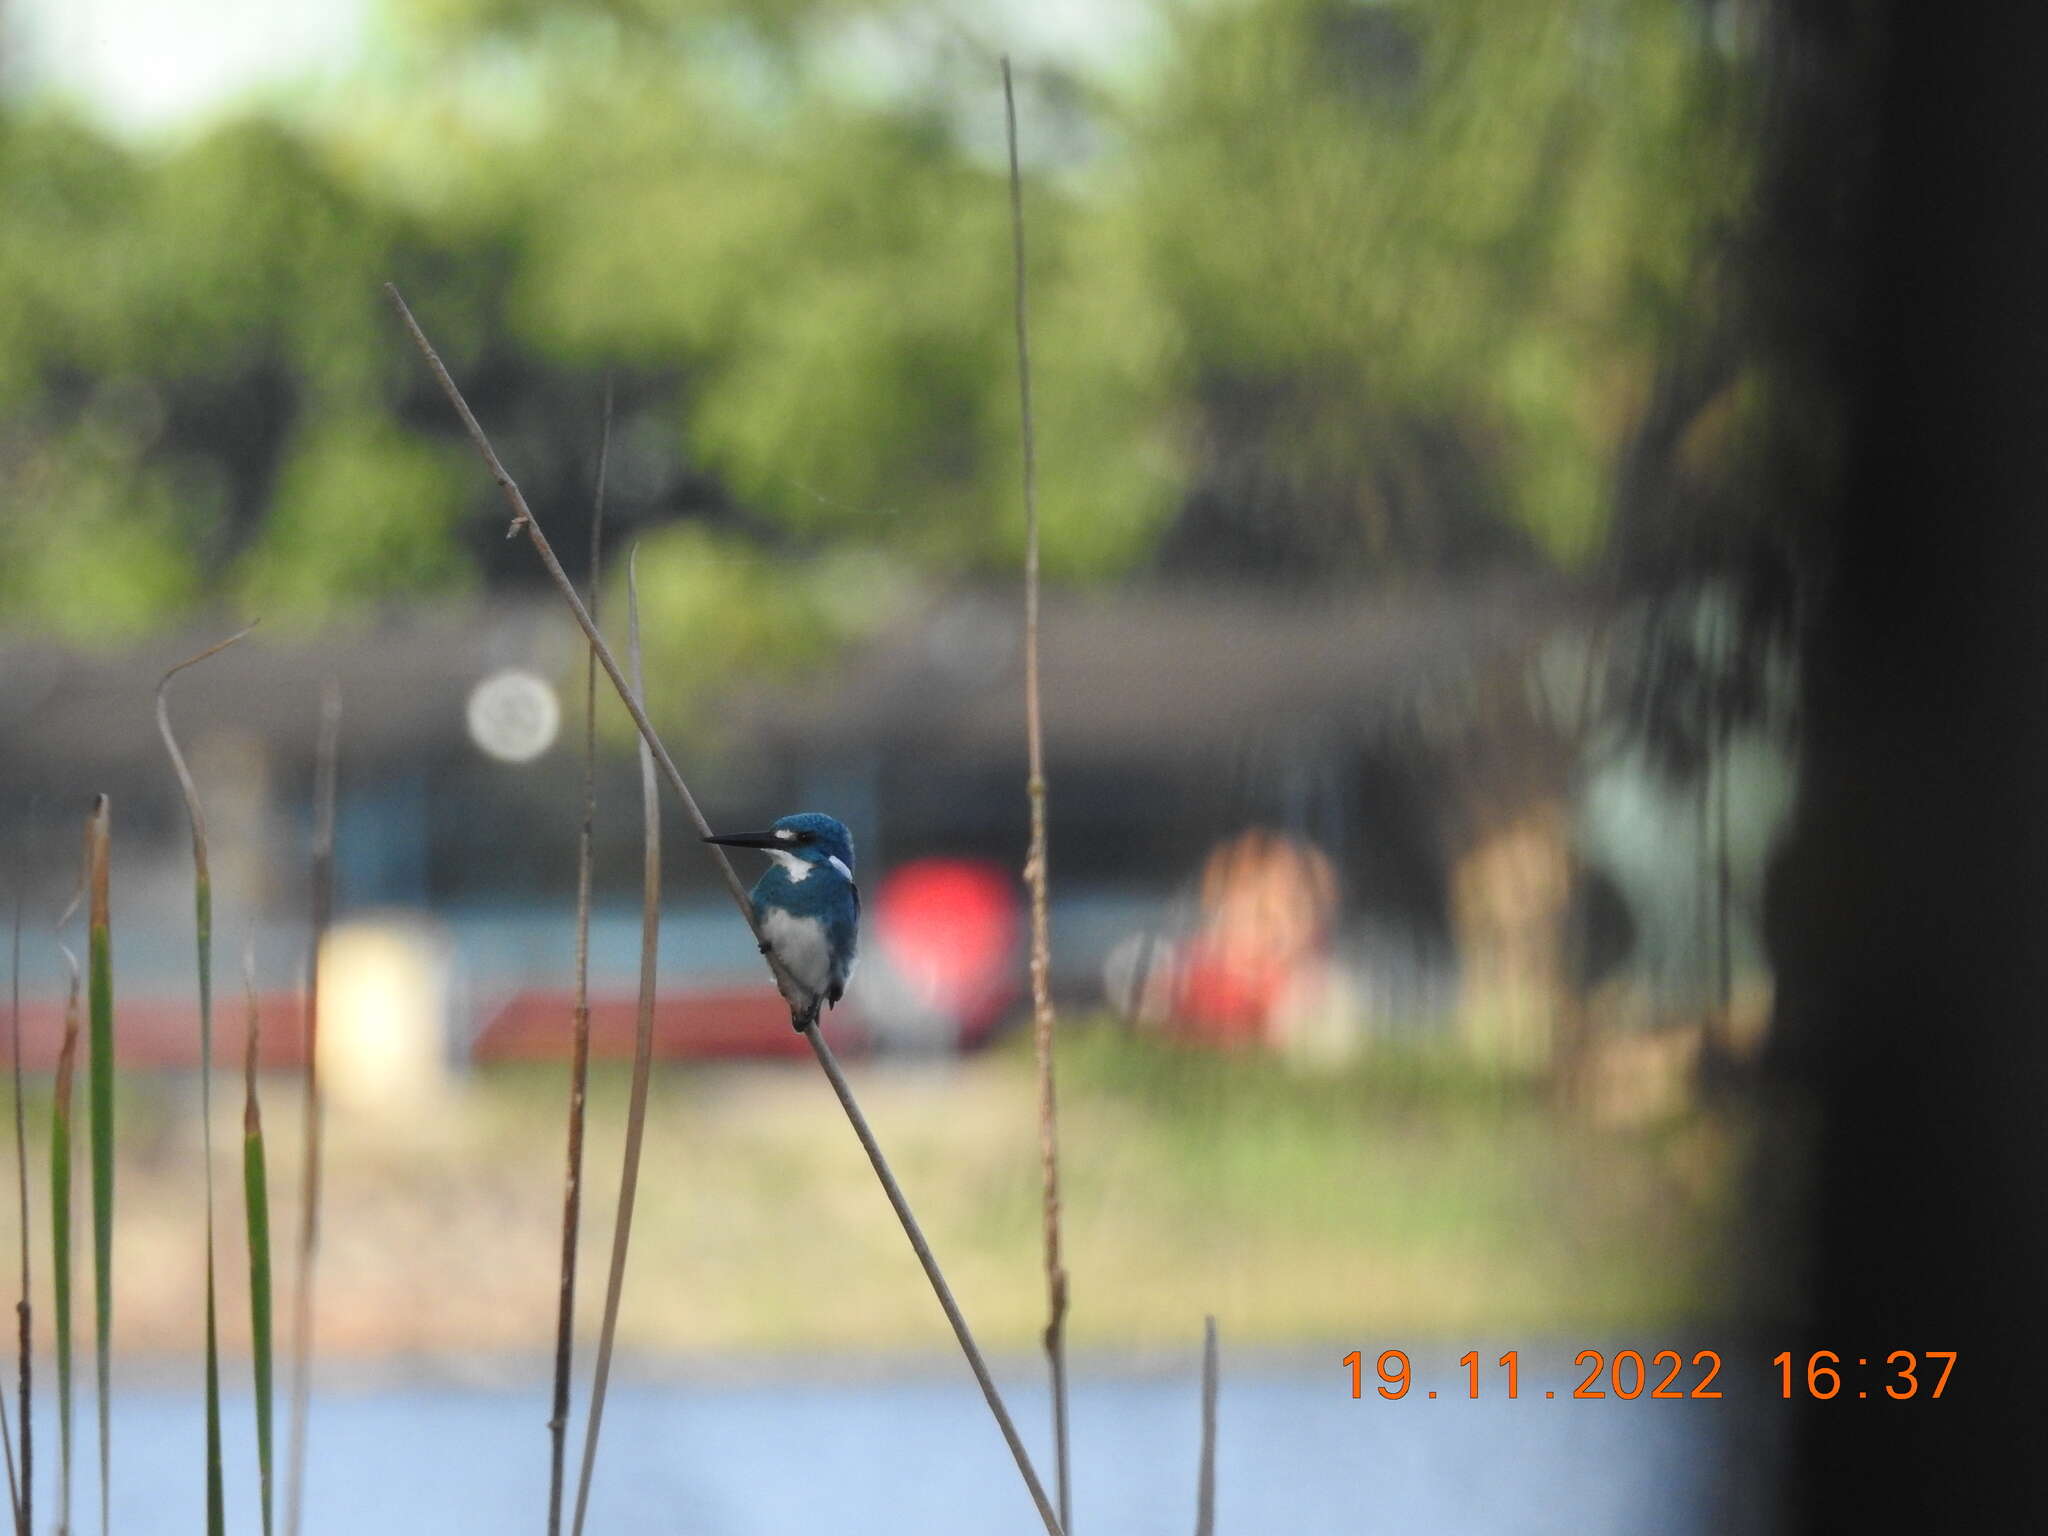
<point>799,943</point>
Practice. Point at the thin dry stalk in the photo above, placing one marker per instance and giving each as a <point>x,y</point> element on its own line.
<point>522,519</point>
<point>1035,865</point>
<point>26,1523</point>
<point>202,909</point>
<point>324,765</point>
<point>1205,1481</point>
<point>643,1063</point>
<point>579,1052</point>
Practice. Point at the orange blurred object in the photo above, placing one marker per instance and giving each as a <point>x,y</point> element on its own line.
<point>1268,903</point>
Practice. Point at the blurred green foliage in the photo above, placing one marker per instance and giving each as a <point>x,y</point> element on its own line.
<point>1318,286</point>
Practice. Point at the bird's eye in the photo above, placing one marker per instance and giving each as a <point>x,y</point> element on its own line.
<point>807,837</point>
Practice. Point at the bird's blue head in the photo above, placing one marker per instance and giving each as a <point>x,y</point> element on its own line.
<point>798,841</point>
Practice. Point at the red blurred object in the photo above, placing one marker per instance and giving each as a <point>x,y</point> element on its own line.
<point>150,1033</point>
<point>1223,995</point>
<point>949,928</point>
<point>534,1025</point>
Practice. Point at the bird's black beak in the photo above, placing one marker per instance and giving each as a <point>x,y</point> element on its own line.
<point>747,839</point>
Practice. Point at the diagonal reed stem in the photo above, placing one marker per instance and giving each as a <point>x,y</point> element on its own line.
<point>202,911</point>
<point>579,1050</point>
<point>522,518</point>
<point>1035,866</point>
<point>324,766</point>
<point>643,1062</point>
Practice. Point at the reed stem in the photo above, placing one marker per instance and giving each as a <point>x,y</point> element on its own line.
<point>579,1050</point>
<point>1035,863</point>
<point>643,1062</point>
<point>202,911</point>
<point>523,520</point>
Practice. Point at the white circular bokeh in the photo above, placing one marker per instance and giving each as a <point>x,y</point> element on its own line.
<point>514,715</point>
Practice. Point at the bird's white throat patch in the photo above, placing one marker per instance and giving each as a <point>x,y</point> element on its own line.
<point>799,869</point>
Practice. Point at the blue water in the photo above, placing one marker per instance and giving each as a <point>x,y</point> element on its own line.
<point>918,1453</point>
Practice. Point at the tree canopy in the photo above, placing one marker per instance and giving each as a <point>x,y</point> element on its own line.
<point>1319,288</point>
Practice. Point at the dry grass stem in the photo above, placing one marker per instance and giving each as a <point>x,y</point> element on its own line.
<point>202,910</point>
<point>643,1064</point>
<point>523,520</point>
<point>1035,863</point>
<point>579,1048</point>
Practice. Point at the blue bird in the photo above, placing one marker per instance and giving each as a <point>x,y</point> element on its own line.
<point>806,907</point>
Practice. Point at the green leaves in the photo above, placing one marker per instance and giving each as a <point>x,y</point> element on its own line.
<point>1495,216</point>
<point>362,512</point>
<point>1386,285</point>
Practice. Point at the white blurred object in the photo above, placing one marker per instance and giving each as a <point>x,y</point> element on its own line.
<point>384,992</point>
<point>514,715</point>
<point>1318,1021</point>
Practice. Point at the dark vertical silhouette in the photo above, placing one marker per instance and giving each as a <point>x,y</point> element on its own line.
<point>1912,916</point>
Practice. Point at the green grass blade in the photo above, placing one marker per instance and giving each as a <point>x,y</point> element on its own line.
<point>60,1240</point>
<point>202,915</point>
<point>256,1206</point>
<point>99,991</point>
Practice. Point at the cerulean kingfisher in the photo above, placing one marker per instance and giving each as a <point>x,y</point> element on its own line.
<point>806,907</point>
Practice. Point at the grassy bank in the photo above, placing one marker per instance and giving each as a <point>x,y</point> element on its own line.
<point>1404,1196</point>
